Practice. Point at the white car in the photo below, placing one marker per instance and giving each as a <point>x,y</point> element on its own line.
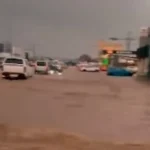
<point>42,66</point>
<point>17,67</point>
<point>91,67</point>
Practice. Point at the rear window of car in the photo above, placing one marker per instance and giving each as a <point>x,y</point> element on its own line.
<point>13,61</point>
<point>41,63</point>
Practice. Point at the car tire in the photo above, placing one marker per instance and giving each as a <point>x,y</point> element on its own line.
<point>46,73</point>
<point>109,73</point>
<point>6,77</point>
<point>23,77</point>
<point>96,70</point>
<point>31,75</point>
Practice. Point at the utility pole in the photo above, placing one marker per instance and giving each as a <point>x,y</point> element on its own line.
<point>128,40</point>
<point>33,50</point>
<point>11,36</point>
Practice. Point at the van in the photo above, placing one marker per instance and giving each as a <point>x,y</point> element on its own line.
<point>42,67</point>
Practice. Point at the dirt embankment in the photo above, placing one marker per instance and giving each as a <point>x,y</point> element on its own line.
<point>44,139</point>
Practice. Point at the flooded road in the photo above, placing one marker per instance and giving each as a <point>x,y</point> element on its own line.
<point>90,104</point>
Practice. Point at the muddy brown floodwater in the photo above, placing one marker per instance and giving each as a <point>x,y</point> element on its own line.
<point>62,110</point>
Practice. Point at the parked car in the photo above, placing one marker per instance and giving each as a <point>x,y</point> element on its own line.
<point>89,67</point>
<point>17,67</point>
<point>42,66</point>
<point>81,64</point>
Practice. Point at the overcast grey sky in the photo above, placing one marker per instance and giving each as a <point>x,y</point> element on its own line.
<point>69,28</point>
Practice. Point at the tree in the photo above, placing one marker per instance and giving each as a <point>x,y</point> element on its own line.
<point>85,57</point>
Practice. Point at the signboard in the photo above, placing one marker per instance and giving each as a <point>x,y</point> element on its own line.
<point>127,53</point>
<point>110,46</point>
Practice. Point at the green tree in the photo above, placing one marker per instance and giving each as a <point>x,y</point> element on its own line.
<point>85,57</point>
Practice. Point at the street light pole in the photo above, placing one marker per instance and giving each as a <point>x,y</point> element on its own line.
<point>11,36</point>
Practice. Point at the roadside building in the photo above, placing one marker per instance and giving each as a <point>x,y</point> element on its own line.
<point>143,50</point>
<point>5,51</point>
<point>17,51</point>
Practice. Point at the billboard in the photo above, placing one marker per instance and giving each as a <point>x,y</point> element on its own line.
<point>129,54</point>
<point>109,47</point>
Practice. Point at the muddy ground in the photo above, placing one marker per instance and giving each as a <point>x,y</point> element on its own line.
<point>74,111</point>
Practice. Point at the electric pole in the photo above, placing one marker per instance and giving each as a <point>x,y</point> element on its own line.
<point>33,50</point>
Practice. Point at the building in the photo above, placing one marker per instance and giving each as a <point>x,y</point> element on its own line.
<point>29,54</point>
<point>144,40</point>
<point>144,36</point>
<point>17,51</point>
<point>5,49</point>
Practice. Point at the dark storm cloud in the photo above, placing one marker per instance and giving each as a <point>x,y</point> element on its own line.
<point>70,27</point>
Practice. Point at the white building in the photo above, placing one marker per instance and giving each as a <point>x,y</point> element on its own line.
<point>17,51</point>
<point>145,32</point>
<point>5,49</point>
<point>3,55</point>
